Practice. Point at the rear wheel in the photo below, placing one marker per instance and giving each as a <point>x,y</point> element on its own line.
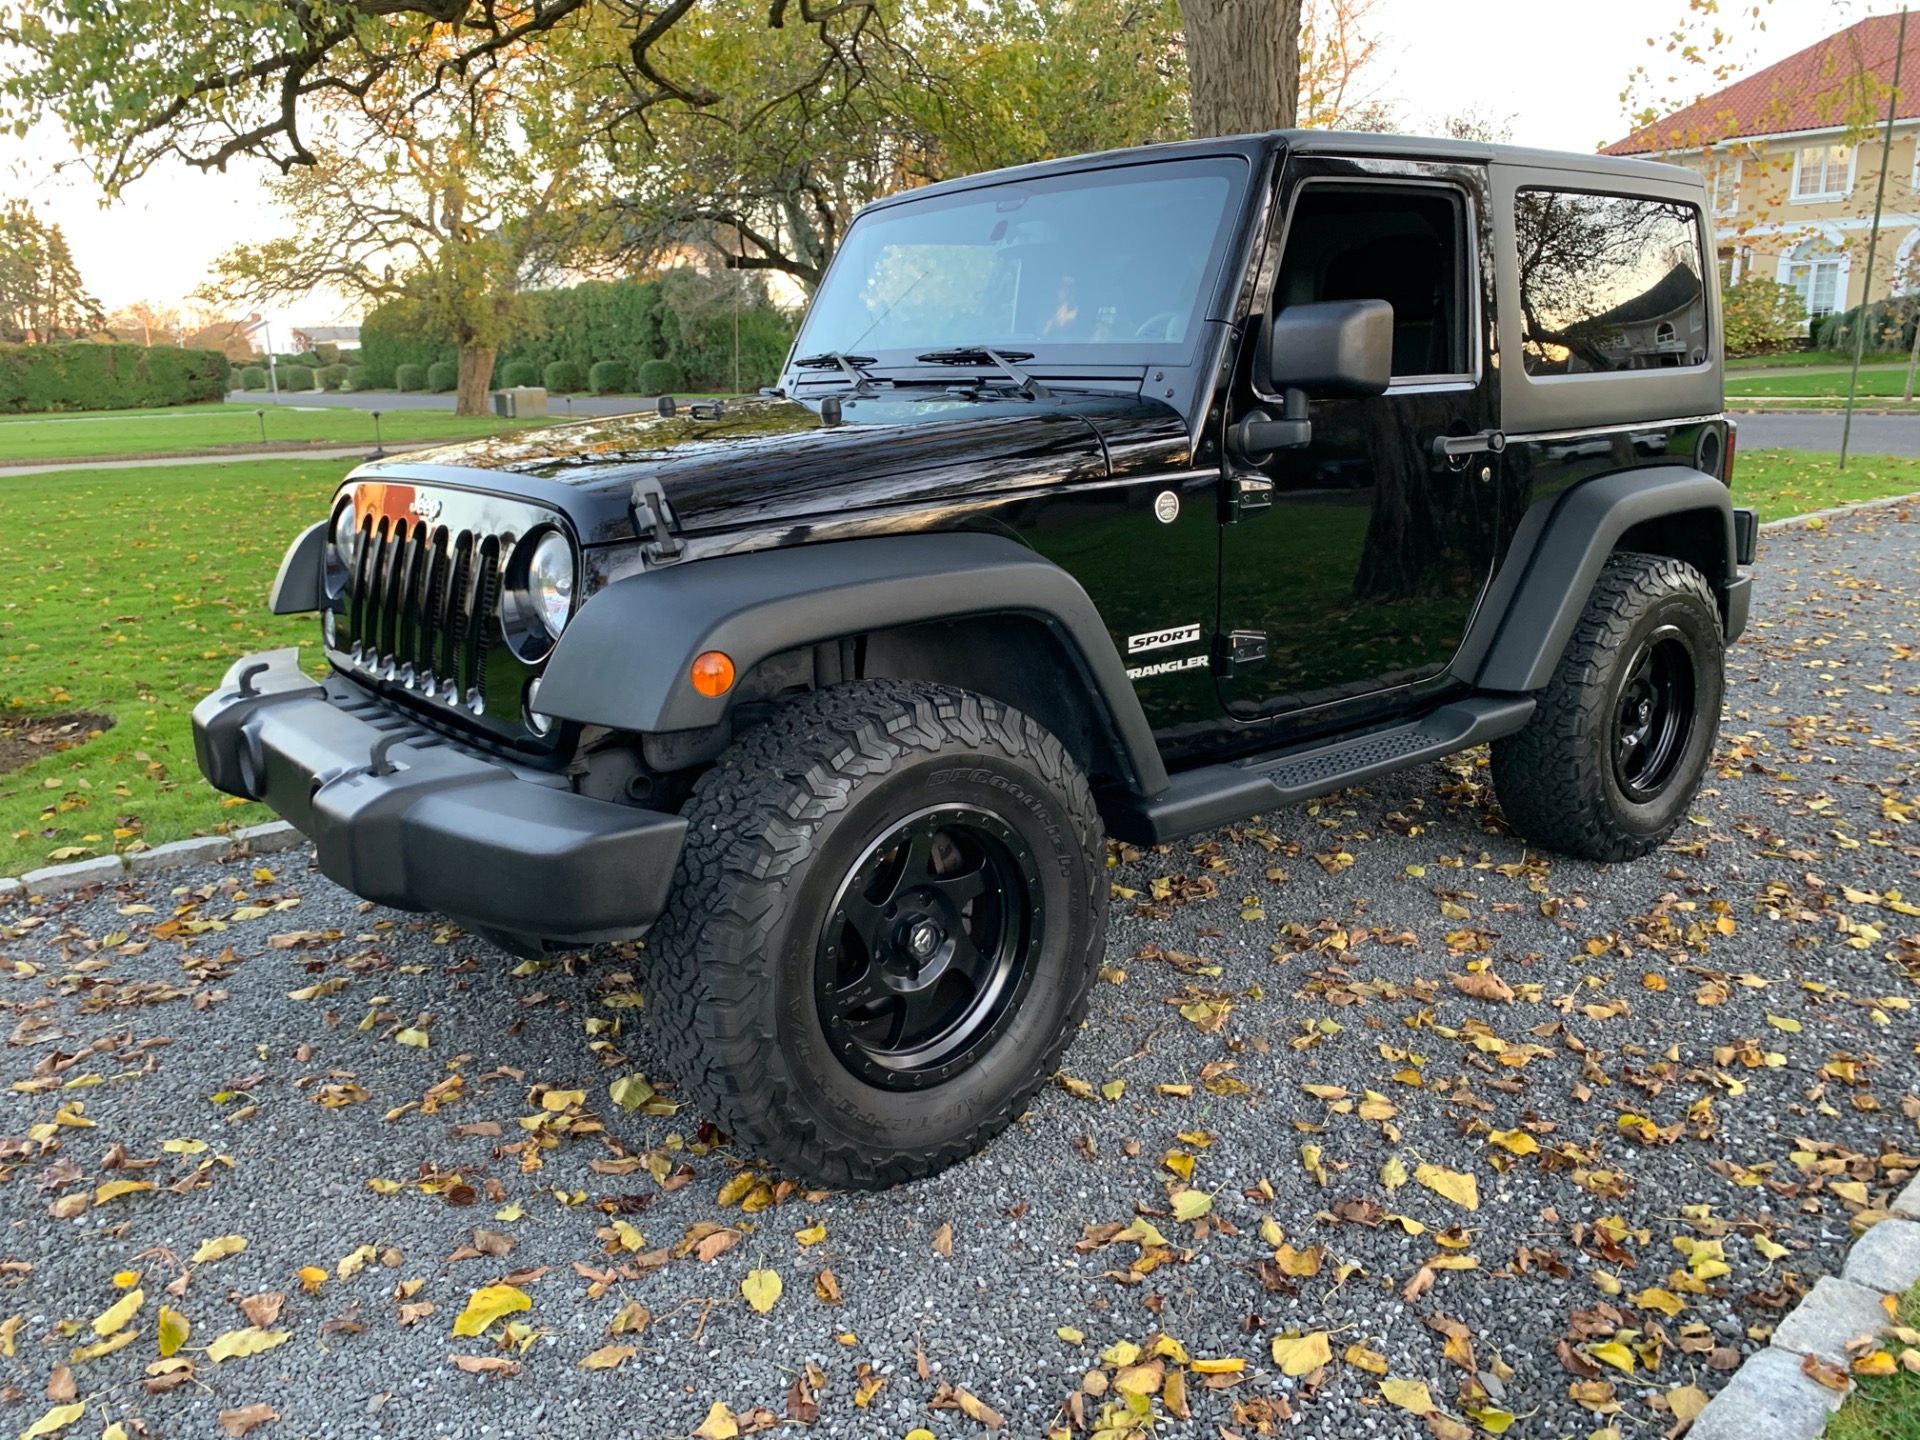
<point>1610,760</point>
<point>887,916</point>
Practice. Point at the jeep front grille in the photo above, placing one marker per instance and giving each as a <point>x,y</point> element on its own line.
<point>419,612</point>
<point>422,600</point>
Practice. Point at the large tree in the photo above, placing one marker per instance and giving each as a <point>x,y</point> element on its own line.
<point>1243,57</point>
<point>41,294</point>
<point>768,177</point>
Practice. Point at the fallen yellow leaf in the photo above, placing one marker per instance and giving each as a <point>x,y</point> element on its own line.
<point>488,1304</point>
<point>762,1289</point>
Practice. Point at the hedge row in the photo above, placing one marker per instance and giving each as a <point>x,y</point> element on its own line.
<point>107,377</point>
<point>666,335</point>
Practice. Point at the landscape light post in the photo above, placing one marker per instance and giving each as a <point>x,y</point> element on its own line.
<point>261,416</point>
<point>379,450</point>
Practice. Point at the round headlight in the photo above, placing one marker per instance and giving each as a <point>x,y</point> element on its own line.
<point>550,581</point>
<point>343,535</point>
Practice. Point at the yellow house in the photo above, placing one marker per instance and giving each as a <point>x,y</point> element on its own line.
<point>1792,159</point>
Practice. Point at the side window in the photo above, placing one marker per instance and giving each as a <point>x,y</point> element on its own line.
<point>1608,283</point>
<point>1404,245</point>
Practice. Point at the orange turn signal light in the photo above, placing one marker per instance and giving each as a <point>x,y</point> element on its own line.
<point>712,674</point>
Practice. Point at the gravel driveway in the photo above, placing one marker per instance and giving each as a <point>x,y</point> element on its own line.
<point>1674,1086</point>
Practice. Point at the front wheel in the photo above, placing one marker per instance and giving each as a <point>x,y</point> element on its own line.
<point>1614,752</point>
<point>887,916</point>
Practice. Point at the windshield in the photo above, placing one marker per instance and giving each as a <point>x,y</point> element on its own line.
<point>1100,266</point>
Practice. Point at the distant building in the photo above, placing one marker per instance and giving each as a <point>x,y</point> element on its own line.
<point>1791,156</point>
<point>306,337</point>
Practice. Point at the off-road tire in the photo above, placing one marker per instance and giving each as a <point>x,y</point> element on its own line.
<point>1556,778</point>
<point>771,827</point>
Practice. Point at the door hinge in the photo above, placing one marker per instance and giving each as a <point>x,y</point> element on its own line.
<point>1239,650</point>
<point>1247,495</point>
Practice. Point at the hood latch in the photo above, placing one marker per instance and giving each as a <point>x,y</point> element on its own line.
<point>652,511</point>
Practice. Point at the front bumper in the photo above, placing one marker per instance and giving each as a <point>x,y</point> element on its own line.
<point>401,817</point>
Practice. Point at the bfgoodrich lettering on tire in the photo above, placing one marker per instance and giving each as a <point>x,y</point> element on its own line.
<point>1610,760</point>
<point>890,907</point>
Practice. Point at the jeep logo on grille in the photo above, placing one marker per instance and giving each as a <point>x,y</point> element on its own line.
<point>426,507</point>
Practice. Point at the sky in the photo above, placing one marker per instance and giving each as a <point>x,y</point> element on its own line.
<point>1553,68</point>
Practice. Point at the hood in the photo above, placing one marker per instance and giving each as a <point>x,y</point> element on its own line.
<point>771,459</point>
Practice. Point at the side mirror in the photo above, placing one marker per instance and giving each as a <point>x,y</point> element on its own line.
<point>1327,350</point>
<point>1334,348</point>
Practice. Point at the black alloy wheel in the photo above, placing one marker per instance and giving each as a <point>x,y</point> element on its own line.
<point>1655,714</point>
<point>924,954</point>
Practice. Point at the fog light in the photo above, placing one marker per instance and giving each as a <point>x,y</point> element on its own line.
<point>712,674</point>
<point>536,722</point>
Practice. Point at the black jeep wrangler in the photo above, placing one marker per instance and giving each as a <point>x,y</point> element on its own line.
<point>1125,495</point>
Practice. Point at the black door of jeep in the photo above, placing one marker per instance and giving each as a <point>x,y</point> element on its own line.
<point>1350,567</point>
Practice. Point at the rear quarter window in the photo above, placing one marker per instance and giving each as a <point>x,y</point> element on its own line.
<point>1609,283</point>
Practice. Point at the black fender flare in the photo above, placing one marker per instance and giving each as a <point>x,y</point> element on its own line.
<point>1536,600</point>
<point>297,585</point>
<point>624,659</point>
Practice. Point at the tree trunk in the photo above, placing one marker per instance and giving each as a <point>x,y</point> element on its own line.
<point>476,374</point>
<point>1243,64</point>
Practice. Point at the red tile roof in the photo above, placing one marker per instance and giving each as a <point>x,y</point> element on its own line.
<point>1828,84</point>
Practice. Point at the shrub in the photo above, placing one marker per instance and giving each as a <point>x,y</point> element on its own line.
<point>1760,315</point>
<point>1889,322</point>
<point>519,372</point>
<point>609,377</point>
<point>108,377</point>
<point>661,377</point>
<point>563,377</point>
<point>253,377</point>
<point>296,377</point>
<point>309,358</point>
<point>410,377</point>
<point>442,376</point>
<point>333,377</point>
<point>328,352</point>
<point>357,377</point>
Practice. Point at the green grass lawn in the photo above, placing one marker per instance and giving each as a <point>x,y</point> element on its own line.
<point>1888,380</point>
<point>1780,483</point>
<point>128,593</point>
<point>203,427</point>
<point>1815,357</point>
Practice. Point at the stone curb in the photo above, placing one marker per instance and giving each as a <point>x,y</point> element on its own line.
<point>110,869</point>
<point>1842,510</point>
<point>1769,1394</point>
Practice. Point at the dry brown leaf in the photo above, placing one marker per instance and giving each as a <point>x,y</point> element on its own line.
<point>1483,985</point>
<point>943,1242</point>
<point>486,1364</point>
<point>264,1309</point>
<point>239,1422</point>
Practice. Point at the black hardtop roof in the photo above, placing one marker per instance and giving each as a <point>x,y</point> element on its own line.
<point>1601,168</point>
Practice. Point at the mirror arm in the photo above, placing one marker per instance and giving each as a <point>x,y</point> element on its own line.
<point>1260,434</point>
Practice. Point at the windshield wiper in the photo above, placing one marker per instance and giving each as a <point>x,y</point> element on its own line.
<point>848,365</point>
<point>1001,360</point>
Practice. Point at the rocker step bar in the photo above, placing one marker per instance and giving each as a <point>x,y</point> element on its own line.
<point>1216,795</point>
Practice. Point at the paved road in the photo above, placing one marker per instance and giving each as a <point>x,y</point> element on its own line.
<point>1872,434</point>
<point>1713,1045</point>
<point>561,405</point>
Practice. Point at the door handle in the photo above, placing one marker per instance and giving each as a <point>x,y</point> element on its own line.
<point>1459,447</point>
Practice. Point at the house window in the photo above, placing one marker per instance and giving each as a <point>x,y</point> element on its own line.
<point>1813,270</point>
<point>1820,172</point>
<point>1726,187</point>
